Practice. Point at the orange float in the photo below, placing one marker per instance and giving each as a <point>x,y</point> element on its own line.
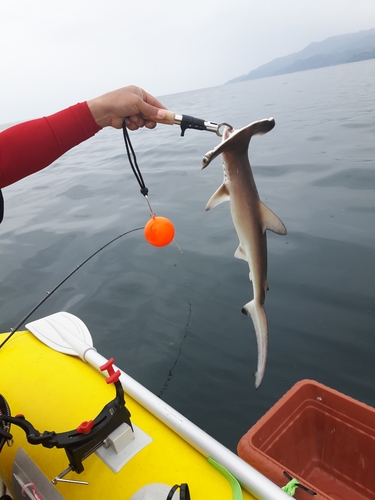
<point>159,231</point>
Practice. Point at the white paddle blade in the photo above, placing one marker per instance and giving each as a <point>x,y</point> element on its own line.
<point>63,332</point>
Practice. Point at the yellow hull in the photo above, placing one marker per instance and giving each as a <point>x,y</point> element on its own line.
<point>58,392</point>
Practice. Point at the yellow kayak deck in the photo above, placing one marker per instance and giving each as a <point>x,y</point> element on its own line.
<point>58,392</point>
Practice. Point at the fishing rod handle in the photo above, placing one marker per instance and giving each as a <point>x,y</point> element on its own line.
<point>186,121</point>
<point>169,118</point>
<point>172,118</point>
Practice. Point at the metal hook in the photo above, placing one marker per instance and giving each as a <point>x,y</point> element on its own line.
<point>59,478</point>
<point>223,124</point>
<point>189,122</point>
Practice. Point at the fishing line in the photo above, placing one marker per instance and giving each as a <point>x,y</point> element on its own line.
<point>163,234</point>
<point>159,231</point>
<point>20,323</point>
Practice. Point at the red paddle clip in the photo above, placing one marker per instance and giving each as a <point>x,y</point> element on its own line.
<point>85,427</point>
<point>113,376</point>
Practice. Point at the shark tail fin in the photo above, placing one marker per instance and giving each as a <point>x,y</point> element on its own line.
<point>258,315</point>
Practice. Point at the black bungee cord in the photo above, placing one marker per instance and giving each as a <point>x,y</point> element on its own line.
<point>134,165</point>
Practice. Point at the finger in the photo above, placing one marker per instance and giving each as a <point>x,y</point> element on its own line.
<point>150,112</point>
<point>150,124</point>
<point>137,120</point>
<point>130,125</point>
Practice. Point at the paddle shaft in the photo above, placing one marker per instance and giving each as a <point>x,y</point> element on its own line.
<point>252,480</point>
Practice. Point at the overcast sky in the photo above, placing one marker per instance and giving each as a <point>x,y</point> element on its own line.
<point>56,53</point>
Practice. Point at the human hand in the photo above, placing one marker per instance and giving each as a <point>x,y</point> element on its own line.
<point>132,104</point>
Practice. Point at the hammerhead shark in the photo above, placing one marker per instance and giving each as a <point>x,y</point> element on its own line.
<point>251,219</point>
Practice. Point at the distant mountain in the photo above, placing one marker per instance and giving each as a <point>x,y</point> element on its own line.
<point>339,49</point>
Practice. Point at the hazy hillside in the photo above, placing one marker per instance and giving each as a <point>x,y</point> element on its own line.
<point>339,49</point>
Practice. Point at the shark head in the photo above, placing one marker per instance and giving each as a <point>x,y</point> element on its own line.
<point>238,140</point>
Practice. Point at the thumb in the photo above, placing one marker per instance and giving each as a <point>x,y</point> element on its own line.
<point>150,112</point>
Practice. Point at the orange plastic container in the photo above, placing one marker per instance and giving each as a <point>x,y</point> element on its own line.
<point>324,439</point>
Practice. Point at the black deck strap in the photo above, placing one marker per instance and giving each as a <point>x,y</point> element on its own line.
<point>4,410</point>
<point>191,122</point>
<point>78,443</point>
<point>133,160</point>
<point>184,491</point>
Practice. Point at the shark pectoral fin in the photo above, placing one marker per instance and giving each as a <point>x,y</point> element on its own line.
<point>219,196</point>
<point>271,221</point>
<point>240,253</point>
<point>258,316</point>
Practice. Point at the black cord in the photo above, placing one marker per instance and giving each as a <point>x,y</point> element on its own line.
<point>184,491</point>
<point>134,166</point>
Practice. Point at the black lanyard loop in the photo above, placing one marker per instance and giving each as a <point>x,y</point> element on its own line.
<point>133,161</point>
<point>184,492</point>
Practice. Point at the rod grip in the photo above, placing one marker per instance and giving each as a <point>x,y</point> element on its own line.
<point>169,118</point>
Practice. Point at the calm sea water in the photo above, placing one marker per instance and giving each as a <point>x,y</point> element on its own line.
<point>172,318</point>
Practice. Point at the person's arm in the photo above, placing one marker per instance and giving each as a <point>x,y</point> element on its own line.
<point>33,145</point>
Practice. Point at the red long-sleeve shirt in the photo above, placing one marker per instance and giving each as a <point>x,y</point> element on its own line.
<point>33,145</point>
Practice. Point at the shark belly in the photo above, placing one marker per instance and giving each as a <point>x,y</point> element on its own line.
<point>246,216</point>
<point>245,211</point>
